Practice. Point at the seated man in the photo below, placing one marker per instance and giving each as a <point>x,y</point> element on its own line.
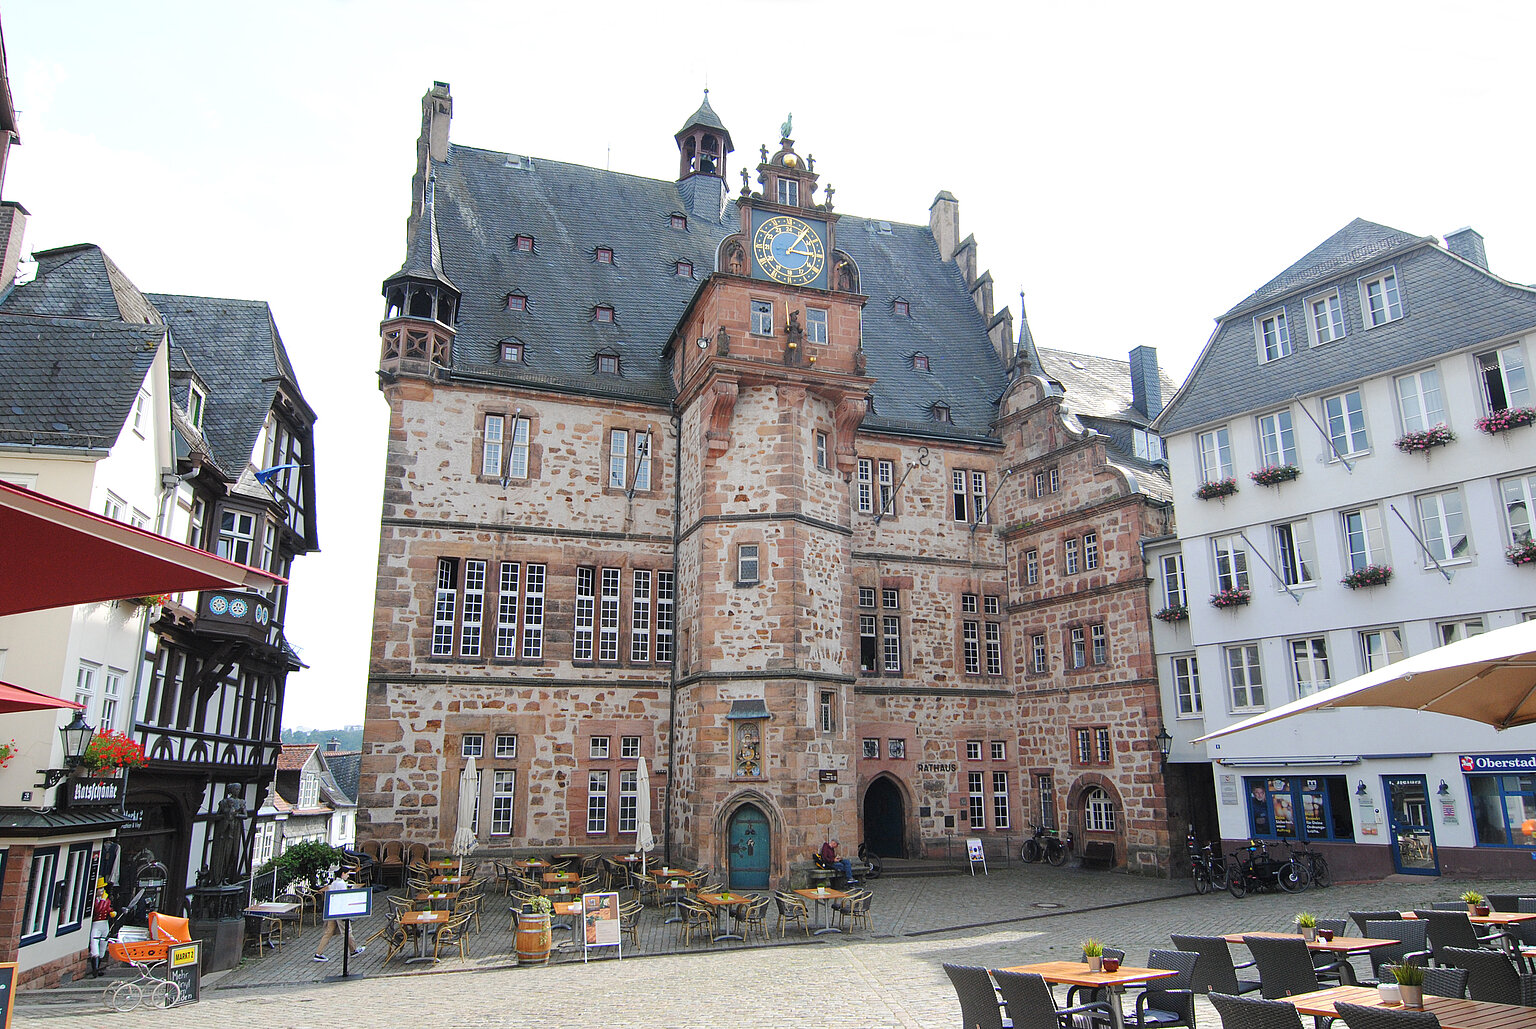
<point>828,859</point>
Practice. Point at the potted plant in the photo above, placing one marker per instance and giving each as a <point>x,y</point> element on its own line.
<point>1093,951</point>
<point>1274,474</point>
<point>1410,984</point>
<point>1306,924</point>
<point>1180,613</point>
<point>1370,575</point>
<point>1522,553</point>
<point>1473,900</point>
<point>111,750</point>
<point>1509,418</point>
<point>1216,489</point>
<point>1424,441</point>
<point>1235,597</point>
<point>7,751</point>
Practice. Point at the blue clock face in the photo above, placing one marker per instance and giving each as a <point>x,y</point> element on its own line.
<point>789,250</point>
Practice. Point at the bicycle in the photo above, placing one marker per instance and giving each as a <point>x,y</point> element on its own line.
<point>1253,869</point>
<point>1208,869</point>
<point>1312,863</point>
<point>1047,844</point>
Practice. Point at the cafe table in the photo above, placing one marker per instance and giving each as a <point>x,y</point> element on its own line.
<point>1491,918</point>
<point>1113,984</point>
<point>1340,945</point>
<point>570,909</point>
<point>271,909</point>
<point>423,924</point>
<point>1453,1012</point>
<point>823,895</point>
<point>450,880</point>
<point>431,899</point>
<point>724,903</point>
<point>530,863</point>
<point>561,877</point>
<point>442,863</point>
<point>678,888</point>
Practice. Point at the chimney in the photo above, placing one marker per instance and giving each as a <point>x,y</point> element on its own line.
<point>944,223</point>
<point>1467,244</point>
<point>332,745</point>
<point>437,112</point>
<point>13,226</point>
<point>1146,386</point>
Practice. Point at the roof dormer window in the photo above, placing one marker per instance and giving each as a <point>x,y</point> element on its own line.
<point>920,362</point>
<point>603,255</point>
<point>511,353</point>
<point>602,313</point>
<point>197,401</point>
<point>523,244</point>
<point>517,302</point>
<point>684,269</point>
<point>902,308</point>
<point>608,364</point>
<point>680,221</point>
<point>941,414</point>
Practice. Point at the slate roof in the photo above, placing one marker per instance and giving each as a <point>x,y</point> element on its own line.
<point>484,199</point>
<point>344,765</point>
<point>81,281</point>
<point>705,116</point>
<point>1098,393</point>
<point>234,346</point>
<point>1448,304</point>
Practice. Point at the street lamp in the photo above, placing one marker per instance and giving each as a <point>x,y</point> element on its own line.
<point>77,739</point>
<point>1164,742</point>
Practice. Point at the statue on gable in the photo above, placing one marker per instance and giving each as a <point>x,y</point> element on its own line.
<point>789,123</point>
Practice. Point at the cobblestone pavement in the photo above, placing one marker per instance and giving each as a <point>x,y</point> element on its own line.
<point>889,978</point>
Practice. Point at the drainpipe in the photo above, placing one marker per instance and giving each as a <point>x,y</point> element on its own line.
<point>677,586</point>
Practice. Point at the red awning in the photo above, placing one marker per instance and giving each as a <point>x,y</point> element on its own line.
<point>19,698</point>
<point>54,554</point>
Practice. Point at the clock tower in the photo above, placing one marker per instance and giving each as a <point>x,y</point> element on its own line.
<point>789,235</point>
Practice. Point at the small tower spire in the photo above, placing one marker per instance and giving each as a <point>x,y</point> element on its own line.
<point>703,143</point>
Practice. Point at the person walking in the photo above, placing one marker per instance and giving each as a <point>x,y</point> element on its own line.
<point>333,925</point>
<point>844,866</point>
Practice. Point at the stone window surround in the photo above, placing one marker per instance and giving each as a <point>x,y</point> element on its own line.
<point>509,412</point>
<point>879,460</point>
<point>1093,747</point>
<point>615,729</point>
<point>1087,630</point>
<point>635,429</point>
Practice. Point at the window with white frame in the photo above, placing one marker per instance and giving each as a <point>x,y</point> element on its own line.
<point>517,455</point>
<point>507,609</point>
<point>896,748</point>
<point>1090,550</point>
<point>1100,641</point>
<point>140,410</point>
<point>1380,647</point>
<point>789,192</point>
<point>309,788</point>
<point>585,614</point>
<point>85,684</point>
<point>1079,641</point>
<point>1379,300</point>
<point>1327,318</point>
<point>1451,632</point>
<point>115,507</point>
<point>597,801</point>
<point>1443,526</point>
<point>970,635</point>
<point>665,615</point>
<point>1174,593</point>
<point>39,897</point>
<point>474,608</point>
<point>629,796</point>
<point>445,606</point>
<point>1039,657</point>
<point>1148,446</point>
<point>746,564</point>
<point>891,643</point>
<point>1032,567</point>
<point>1345,417</point>
<point>869,644</point>
<point>77,888</point>
<point>1231,562</point>
<point>608,616</point>
<point>1098,811</point>
<point>973,750</point>
<point>1245,679</point>
<point>1418,400</point>
<point>1309,666</point>
<point>640,617</point>
<point>533,613</point>
<point>822,461</point>
<point>237,536</point>
<point>762,318</point>
<point>864,486</point>
<point>1215,455</point>
<point>490,445</point>
<point>197,403</point>
<point>999,750</point>
<point>1101,742</point>
<point>828,709</point>
<point>111,692</point>
<point>503,792</point>
<point>1505,382</point>
<point>1277,439</point>
<point>629,748</point>
<point>871,745</point>
<point>886,474</point>
<point>994,645</point>
<point>506,745</point>
<point>815,325</point>
<point>1069,549</point>
<point>978,806</point>
<point>1363,544</point>
<point>1518,496</point>
<point>1186,685</point>
<point>598,747</point>
<point>1274,336</point>
<point>1294,557</point>
<point>1000,818</point>
<point>1084,746</point>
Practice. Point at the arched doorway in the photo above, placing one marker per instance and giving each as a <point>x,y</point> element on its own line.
<point>885,819</point>
<point>749,848</point>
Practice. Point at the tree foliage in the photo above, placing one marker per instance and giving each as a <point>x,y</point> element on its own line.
<point>309,862</point>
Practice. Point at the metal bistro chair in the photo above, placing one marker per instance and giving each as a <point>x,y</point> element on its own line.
<point>1031,1005</point>
<point>1491,975</point>
<point>1285,966</point>
<point>452,935</point>
<point>1445,982</point>
<point>1251,1013</point>
<point>1413,948</point>
<point>1093,993</point>
<point>1334,966</point>
<point>792,911</point>
<point>1453,929</point>
<point>1362,917</point>
<point>629,920</point>
<point>1214,971</point>
<point>1167,1002</point>
<point>1362,1016</point>
<point>979,1008</point>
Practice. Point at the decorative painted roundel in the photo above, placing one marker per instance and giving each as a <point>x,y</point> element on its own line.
<point>218,605</point>
<point>237,607</point>
<point>262,615</point>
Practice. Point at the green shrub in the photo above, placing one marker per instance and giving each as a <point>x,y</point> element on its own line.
<point>310,863</point>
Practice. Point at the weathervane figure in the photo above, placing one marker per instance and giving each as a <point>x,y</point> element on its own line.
<point>789,123</point>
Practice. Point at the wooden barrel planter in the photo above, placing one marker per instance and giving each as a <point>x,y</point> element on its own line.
<point>533,939</point>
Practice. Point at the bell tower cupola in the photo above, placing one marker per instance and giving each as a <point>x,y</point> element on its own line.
<point>421,303</point>
<point>703,143</point>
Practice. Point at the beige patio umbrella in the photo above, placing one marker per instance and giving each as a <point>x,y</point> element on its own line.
<point>469,798</point>
<point>645,838</point>
<point>1489,678</point>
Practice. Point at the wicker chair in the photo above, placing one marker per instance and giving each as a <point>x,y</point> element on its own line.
<point>469,907</point>
<point>629,920</point>
<point>1453,929</point>
<point>269,933</point>
<point>389,929</point>
<point>392,861</point>
<point>1362,1016</point>
<point>1445,982</point>
<point>698,919</point>
<point>1285,966</point>
<point>1215,972</point>
<point>1249,1013</point>
<point>1093,993</point>
<point>755,918</point>
<point>792,911</point>
<point>415,852</point>
<point>1031,1005</point>
<point>454,934</point>
<point>1504,901</point>
<point>1334,966</point>
<point>645,888</point>
<point>1362,917</point>
<point>979,1008</point>
<point>1491,975</point>
<point>1171,1001</point>
<point>1413,950</point>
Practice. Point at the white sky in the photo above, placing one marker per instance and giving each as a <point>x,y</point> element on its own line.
<point>1136,168</point>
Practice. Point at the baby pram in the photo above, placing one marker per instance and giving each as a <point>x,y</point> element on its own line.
<point>147,950</point>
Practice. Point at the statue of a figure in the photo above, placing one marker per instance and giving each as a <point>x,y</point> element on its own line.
<point>789,123</point>
<point>228,836</point>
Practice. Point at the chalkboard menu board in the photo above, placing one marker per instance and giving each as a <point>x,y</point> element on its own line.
<point>8,989</point>
<point>182,967</point>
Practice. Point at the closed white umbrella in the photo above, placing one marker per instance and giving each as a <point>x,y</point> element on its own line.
<point>469,797</point>
<point>645,839</point>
